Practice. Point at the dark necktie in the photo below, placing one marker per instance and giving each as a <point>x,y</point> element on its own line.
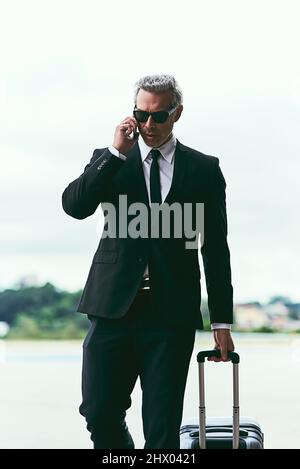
<point>155,194</point>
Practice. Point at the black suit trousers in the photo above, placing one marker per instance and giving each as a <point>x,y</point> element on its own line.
<point>118,351</point>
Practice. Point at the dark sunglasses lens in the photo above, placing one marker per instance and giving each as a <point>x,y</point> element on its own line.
<point>141,116</point>
<point>160,116</point>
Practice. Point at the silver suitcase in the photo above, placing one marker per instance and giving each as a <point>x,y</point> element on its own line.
<point>220,432</point>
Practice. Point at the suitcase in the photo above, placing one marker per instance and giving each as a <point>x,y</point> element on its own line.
<point>220,432</point>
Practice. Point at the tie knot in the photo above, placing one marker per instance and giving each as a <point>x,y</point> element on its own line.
<point>155,154</point>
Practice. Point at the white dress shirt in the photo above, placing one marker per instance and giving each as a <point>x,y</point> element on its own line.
<point>166,168</point>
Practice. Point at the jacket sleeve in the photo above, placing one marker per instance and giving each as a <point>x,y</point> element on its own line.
<point>82,196</point>
<point>215,251</point>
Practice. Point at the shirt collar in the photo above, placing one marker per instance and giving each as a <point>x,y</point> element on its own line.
<point>166,150</point>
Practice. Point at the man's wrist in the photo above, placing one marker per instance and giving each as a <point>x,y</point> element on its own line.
<point>116,152</point>
<point>220,325</point>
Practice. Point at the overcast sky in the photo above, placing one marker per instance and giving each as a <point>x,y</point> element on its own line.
<point>67,74</point>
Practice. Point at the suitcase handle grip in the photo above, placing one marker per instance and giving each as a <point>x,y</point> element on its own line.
<point>233,356</point>
<point>195,433</point>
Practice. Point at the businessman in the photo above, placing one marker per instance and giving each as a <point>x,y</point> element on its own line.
<point>142,294</point>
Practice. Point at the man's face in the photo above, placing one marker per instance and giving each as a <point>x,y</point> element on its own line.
<point>155,134</point>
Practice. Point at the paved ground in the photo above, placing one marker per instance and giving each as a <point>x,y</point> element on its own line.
<point>40,391</point>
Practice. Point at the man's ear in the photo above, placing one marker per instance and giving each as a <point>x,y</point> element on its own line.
<point>177,113</point>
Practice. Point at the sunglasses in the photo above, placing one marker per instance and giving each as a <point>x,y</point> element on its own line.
<point>159,116</point>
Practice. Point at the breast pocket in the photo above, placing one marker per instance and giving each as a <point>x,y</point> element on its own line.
<point>106,257</point>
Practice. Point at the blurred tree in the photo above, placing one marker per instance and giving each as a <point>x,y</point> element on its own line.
<point>43,311</point>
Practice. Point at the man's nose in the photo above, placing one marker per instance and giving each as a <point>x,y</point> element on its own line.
<point>150,122</point>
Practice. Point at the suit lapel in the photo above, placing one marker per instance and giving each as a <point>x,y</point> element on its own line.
<point>178,174</point>
<point>130,178</point>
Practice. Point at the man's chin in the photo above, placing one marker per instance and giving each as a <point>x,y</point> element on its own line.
<point>151,141</point>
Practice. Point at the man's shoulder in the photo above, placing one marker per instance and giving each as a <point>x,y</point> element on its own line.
<point>198,157</point>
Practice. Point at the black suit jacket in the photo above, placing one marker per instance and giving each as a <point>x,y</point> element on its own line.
<point>119,263</point>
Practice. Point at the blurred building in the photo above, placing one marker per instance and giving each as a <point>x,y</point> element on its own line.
<point>250,316</point>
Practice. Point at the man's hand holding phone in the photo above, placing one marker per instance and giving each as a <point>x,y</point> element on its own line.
<point>126,135</point>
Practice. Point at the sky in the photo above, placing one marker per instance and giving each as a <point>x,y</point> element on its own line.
<point>67,75</point>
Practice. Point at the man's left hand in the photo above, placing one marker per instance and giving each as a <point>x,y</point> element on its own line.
<point>224,343</point>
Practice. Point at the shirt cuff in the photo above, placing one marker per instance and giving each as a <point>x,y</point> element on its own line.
<point>116,152</point>
<point>220,325</point>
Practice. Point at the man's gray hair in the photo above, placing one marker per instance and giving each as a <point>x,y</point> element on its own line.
<point>158,84</point>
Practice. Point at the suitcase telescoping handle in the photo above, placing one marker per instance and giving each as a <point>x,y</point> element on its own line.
<point>235,359</point>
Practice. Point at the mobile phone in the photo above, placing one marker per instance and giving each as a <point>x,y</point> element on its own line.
<point>135,135</point>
